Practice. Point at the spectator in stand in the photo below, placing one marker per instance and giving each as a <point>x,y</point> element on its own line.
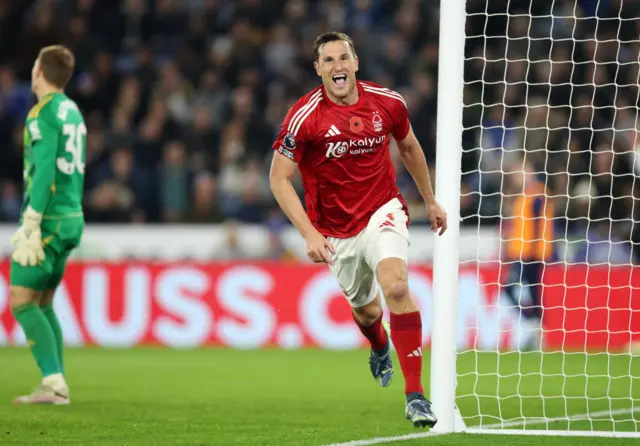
<point>528,236</point>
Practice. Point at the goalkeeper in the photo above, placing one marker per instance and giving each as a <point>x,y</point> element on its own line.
<point>52,220</point>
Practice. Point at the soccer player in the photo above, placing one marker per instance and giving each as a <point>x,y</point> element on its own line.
<point>52,220</point>
<point>356,220</point>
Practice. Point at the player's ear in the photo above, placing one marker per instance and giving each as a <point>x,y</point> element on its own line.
<point>316,65</point>
<point>39,72</point>
<point>357,63</point>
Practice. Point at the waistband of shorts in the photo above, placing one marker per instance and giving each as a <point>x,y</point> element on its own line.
<point>63,217</point>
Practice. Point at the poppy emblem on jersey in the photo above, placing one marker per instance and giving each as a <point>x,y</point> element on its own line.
<point>356,124</point>
<point>377,122</point>
<point>289,142</point>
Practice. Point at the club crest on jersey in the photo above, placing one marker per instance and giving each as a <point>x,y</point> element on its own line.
<point>356,124</point>
<point>289,142</point>
<point>377,122</point>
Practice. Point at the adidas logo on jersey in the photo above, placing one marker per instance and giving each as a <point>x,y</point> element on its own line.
<point>333,131</point>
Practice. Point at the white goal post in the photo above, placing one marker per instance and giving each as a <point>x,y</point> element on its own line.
<point>546,97</point>
<point>447,190</point>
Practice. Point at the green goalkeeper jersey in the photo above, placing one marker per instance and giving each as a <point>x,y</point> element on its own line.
<point>54,157</point>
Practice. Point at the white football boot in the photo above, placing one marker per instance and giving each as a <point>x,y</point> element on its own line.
<point>53,390</point>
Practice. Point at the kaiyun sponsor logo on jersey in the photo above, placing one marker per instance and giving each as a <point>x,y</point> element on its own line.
<point>354,146</point>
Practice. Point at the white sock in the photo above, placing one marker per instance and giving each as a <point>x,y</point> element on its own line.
<point>55,381</point>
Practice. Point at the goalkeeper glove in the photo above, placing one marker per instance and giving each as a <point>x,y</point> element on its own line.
<point>28,240</point>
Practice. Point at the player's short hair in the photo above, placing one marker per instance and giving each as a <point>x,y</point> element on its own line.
<point>57,64</point>
<point>332,36</point>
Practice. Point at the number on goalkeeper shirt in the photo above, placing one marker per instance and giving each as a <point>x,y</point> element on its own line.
<point>34,130</point>
<point>75,134</point>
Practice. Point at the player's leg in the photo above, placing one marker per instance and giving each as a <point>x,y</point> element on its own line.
<point>368,318</point>
<point>358,284</point>
<point>27,285</point>
<point>532,275</point>
<point>518,288</point>
<point>511,277</point>
<point>532,278</point>
<point>406,326</point>
<point>388,247</point>
<point>405,318</point>
<point>46,304</point>
<point>522,288</point>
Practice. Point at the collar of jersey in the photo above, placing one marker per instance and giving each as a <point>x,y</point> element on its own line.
<point>358,103</point>
<point>49,95</point>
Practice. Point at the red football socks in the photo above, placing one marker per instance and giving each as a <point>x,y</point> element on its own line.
<point>374,333</point>
<point>406,333</point>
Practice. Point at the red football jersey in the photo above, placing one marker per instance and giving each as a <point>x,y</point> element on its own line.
<point>343,155</point>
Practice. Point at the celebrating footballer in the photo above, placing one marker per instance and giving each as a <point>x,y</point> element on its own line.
<point>356,219</point>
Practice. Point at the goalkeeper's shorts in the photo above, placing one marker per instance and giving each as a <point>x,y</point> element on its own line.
<point>59,237</point>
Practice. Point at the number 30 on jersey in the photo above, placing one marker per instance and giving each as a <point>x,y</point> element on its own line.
<point>75,134</point>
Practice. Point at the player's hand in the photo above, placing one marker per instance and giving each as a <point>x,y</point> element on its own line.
<point>28,240</point>
<point>319,249</point>
<point>437,217</point>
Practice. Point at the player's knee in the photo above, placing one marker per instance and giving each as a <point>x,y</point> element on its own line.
<point>368,314</point>
<point>20,296</point>
<point>393,278</point>
<point>47,298</point>
<point>396,290</point>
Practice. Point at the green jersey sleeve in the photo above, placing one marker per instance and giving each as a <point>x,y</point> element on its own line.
<point>44,136</point>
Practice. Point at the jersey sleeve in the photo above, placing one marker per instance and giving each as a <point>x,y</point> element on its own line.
<point>292,140</point>
<point>44,135</point>
<point>401,124</point>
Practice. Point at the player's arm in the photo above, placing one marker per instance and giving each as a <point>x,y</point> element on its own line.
<point>282,170</point>
<point>28,239</point>
<point>288,151</point>
<point>45,142</point>
<point>413,158</point>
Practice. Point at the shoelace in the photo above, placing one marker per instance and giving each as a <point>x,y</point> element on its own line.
<point>378,360</point>
<point>422,403</point>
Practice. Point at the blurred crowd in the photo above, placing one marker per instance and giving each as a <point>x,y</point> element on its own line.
<point>553,87</point>
<point>184,98</point>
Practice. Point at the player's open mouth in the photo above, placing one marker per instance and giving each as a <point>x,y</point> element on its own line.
<point>340,79</point>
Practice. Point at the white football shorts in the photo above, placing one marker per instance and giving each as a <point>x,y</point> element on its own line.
<point>356,258</point>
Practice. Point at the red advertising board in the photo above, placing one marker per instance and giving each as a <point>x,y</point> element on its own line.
<point>258,304</point>
<point>591,307</point>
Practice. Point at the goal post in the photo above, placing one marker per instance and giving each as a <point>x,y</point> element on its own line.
<point>538,144</point>
<point>447,191</point>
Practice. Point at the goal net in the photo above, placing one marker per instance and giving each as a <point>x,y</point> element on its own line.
<point>549,164</point>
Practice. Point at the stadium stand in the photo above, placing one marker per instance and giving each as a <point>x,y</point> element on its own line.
<point>185,98</point>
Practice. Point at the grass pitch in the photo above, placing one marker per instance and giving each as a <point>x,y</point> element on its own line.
<point>304,397</point>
